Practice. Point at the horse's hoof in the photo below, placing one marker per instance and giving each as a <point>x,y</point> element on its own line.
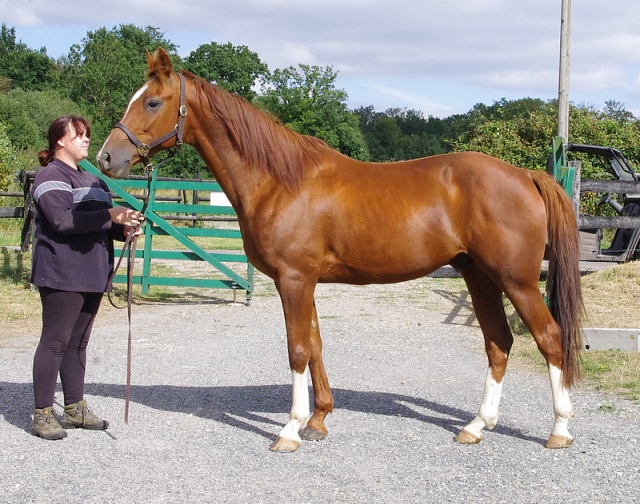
<point>465,437</point>
<point>309,434</point>
<point>284,445</point>
<point>555,441</point>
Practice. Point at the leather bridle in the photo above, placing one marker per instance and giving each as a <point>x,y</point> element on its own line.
<point>145,149</point>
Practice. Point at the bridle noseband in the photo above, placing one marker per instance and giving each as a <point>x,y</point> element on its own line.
<point>144,149</point>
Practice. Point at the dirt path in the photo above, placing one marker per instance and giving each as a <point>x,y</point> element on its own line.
<point>211,389</point>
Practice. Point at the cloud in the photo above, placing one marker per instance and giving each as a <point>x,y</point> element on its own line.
<point>483,48</point>
<point>518,79</point>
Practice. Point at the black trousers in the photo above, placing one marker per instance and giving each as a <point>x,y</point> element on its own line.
<point>67,319</point>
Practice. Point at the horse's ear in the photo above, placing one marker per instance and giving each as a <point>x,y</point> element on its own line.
<point>150,61</point>
<point>159,63</point>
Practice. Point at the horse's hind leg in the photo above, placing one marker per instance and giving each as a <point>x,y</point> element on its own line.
<point>535,314</point>
<point>487,303</point>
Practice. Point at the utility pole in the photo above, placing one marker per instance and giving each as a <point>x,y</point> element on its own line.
<point>563,81</point>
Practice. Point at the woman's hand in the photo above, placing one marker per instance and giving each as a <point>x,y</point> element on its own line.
<point>126,216</point>
<point>132,231</point>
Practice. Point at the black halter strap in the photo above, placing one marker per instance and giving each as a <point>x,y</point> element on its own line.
<point>145,149</point>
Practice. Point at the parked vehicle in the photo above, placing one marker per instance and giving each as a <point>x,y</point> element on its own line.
<point>625,244</point>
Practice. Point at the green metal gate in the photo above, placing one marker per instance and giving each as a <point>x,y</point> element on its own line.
<point>157,217</point>
<point>563,173</point>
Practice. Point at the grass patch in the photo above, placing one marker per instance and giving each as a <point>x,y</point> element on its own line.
<point>20,303</point>
<point>10,230</point>
<point>612,371</point>
<point>163,242</point>
<point>610,297</point>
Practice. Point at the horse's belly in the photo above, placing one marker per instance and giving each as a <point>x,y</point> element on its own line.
<point>386,265</point>
<point>348,275</point>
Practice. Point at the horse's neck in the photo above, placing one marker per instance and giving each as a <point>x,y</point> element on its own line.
<point>237,178</point>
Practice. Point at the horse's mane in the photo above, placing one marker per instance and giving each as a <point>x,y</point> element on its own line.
<point>260,140</point>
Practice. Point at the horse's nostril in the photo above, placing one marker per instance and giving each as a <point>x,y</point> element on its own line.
<point>104,160</point>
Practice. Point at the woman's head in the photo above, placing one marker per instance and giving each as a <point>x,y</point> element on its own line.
<point>68,126</point>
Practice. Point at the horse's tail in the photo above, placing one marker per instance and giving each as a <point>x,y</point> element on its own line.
<point>563,278</point>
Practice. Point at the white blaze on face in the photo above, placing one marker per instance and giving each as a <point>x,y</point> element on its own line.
<point>134,98</point>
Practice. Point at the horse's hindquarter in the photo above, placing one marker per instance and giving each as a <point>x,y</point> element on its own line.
<point>505,215</point>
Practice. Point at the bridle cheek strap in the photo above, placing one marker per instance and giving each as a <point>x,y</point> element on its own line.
<point>145,148</point>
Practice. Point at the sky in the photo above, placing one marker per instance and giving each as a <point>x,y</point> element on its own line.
<point>440,57</point>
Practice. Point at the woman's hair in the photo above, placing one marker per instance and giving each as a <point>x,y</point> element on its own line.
<point>58,129</point>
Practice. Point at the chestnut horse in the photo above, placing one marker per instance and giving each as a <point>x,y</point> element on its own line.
<point>309,214</point>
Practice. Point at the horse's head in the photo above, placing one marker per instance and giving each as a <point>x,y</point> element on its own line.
<point>155,116</point>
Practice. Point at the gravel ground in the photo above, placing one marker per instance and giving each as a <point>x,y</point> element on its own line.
<point>211,389</point>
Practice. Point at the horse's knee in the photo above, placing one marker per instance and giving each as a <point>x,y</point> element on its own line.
<point>299,355</point>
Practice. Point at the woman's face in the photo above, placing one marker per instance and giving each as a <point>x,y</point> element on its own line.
<point>73,146</point>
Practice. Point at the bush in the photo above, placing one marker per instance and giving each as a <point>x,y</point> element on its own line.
<point>7,159</point>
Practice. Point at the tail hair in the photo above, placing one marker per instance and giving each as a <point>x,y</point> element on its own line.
<point>564,292</point>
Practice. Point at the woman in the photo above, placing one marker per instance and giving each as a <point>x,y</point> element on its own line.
<point>72,264</point>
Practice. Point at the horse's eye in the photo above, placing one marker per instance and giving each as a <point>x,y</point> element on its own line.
<point>153,104</point>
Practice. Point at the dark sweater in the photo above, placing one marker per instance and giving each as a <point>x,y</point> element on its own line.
<point>74,234</point>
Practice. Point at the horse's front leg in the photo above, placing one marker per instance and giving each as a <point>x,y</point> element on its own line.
<point>297,302</point>
<point>323,399</point>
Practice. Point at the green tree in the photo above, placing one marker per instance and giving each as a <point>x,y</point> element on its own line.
<point>23,67</point>
<point>384,139</point>
<point>105,70</point>
<point>521,131</point>
<point>28,114</point>
<point>523,141</point>
<point>399,134</point>
<point>234,68</point>
<point>306,100</point>
<point>617,111</point>
<point>421,137</point>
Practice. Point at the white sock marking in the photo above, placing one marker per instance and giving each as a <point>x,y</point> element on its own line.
<point>488,414</point>
<point>300,409</point>
<point>562,407</point>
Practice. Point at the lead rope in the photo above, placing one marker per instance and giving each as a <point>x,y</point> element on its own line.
<point>130,246</point>
<point>130,263</point>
